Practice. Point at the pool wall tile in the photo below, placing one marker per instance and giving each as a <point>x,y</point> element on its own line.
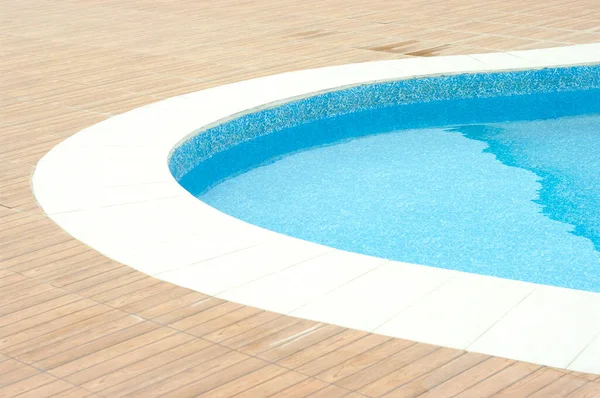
<point>206,142</point>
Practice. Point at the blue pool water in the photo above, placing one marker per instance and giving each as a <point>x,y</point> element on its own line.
<point>507,186</point>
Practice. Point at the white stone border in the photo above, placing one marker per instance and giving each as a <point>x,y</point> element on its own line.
<point>110,187</point>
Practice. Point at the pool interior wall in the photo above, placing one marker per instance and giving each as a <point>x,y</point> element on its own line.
<point>418,92</point>
<point>477,106</point>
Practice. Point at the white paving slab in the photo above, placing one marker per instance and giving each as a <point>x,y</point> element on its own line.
<point>110,187</point>
<point>551,326</point>
<point>220,274</point>
<point>588,360</point>
<point>583,53</point>
<point>458,311</point>
<point>293,287</point>
<point>373,298</point>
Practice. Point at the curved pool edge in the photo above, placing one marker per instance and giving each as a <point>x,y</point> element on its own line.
<point>122,201</point>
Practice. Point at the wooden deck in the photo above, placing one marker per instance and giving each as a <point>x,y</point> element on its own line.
<point>76,324</point>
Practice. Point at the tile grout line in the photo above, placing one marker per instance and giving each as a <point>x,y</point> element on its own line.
<point>502,317</point>
<point>596,336</point>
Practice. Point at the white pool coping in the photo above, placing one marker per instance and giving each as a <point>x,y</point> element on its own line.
<point>110,187</point>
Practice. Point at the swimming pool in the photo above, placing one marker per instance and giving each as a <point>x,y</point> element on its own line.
<point>112,187</point>
<point>494,174</point>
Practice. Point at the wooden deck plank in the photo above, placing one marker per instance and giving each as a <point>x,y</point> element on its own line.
<point>10,278</point>
<point>95,317</point>
<point>117,292</point>
<point>5,273</point>
<point>531,383</point>
<point>586,376</point>
<point>76,392</point>
<point>37,310</point>
<point>19,372</point>
<point>26,336</point>
<point>283,336</point>
<point>300,342</point>
<point>302,389</point>
<point>61,257</point>
<point>385,367</point>
<point>363,360</point>
<point>95,283</point>
<point>157,299</point>
<point>105,282</point>
<point>244,383</point>
<point>19,225</point>
<point>590,390</point>
<point>139,294</point>
<point>561,387</point>
<point>223,321</point>
<point>274,385</point>
<point>82,338</point>
<point>410,372</point>
<point>145,365</point>
<point>9,215</point>
<point>205,316</point>
<point>499,381</point>
<point>234,331</point>
<point>30,301</point>
<point>60,276</point>
<point>128,358</point>
<point>44,248</point>
<point>321,349</point>
<point>260,332</point>
<point>74,306</point>
<point>177,314</point>
<point>70,361</point>
<point>186,381</point>
<point>218,379</point>
<point>157,310</point>
<point>19,238</point>
<point>469,378</point>
<point>47,390</point>
<point>79,261</point>
<point>28,291</point>
<point>329,392</point>
<point>16,289</point>
<point>190,363</point>
<point>8,365</point>
<point>25,385</point>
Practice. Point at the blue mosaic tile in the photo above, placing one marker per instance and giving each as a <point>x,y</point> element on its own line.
<point>207,142</point>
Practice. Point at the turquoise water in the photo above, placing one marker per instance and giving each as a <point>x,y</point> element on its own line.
<point>513,199</point>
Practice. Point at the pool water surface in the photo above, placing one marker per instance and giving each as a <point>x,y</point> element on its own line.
<point>514,200</point>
